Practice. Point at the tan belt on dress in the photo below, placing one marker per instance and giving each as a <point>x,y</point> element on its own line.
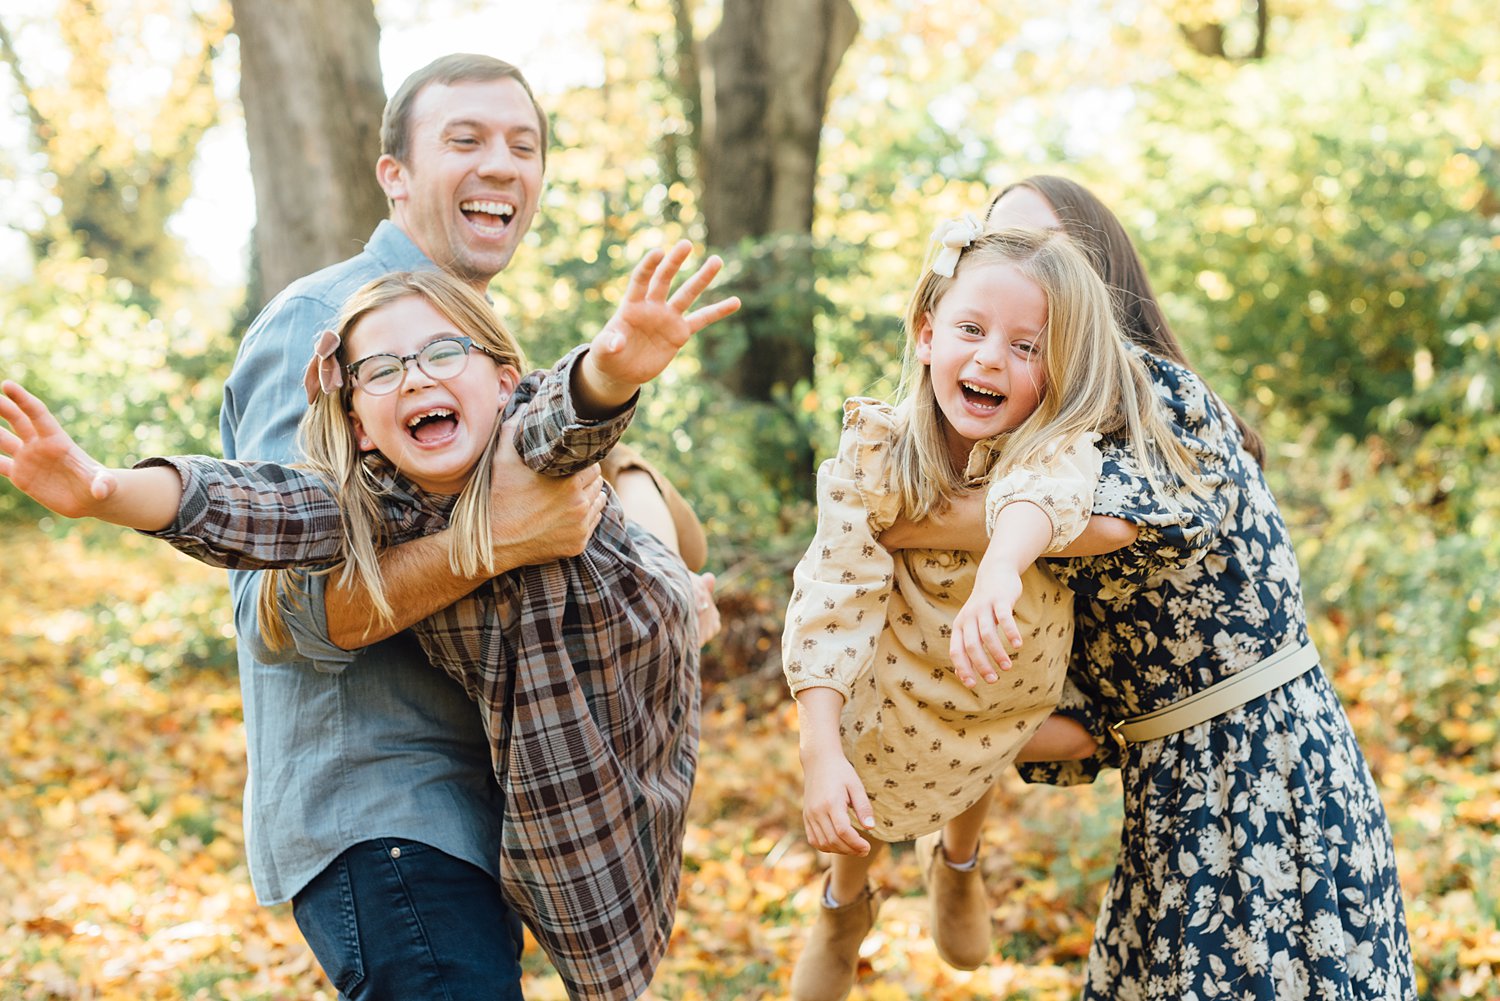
<point>1264,676</point>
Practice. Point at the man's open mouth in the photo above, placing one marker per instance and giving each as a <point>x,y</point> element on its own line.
<point>488,214</point>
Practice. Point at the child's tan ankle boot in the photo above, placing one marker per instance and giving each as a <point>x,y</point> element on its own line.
<point>825,970</point>
<point>960,907</point>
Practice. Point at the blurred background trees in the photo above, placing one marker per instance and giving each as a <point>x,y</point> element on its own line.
<point>1315,189</point>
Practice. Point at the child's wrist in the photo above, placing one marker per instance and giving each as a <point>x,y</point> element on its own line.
<point>597,393</point>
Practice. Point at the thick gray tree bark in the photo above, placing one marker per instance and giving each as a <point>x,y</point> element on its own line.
<point>312,93</point>
<point>770,66</point>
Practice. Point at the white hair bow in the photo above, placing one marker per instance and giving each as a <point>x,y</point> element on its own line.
<point>953,236</point>
<point>324,373</point>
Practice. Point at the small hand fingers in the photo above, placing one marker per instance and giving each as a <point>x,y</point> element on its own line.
<point>994,648</point>
<point>642,277</point>
<point>818,832</point>
<point>961,666</point>
<point>39,418</point>
<point>1012,631</point>
<point>9,443</point>
<point>103,485</point>
<point>13,413</point>
<point>851,842</point>
<point>977,655</point>
<point>666,271</point>
<point>696,283</point>
<point>703,591</point>
<point>700,318</point>
<point>860,805</point>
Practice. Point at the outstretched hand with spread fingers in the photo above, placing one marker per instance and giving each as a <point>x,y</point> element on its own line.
<point>44,462</point>
<point>652,323</point>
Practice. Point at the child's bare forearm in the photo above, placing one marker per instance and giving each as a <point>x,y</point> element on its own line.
<point>145,499</point>
<point>1021,535</point>
<point>596,395</point>
<point>818,711</point>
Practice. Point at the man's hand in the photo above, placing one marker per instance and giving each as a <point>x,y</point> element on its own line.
<point>536,518</point>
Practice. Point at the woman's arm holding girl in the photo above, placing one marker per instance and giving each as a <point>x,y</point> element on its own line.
<point>961,526</point>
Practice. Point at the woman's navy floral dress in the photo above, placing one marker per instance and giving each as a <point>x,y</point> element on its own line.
<point>1256,861</point>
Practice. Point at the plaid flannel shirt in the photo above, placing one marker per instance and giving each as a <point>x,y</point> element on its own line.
<point>585,671</point>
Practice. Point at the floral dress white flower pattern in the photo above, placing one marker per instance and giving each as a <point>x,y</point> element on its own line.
<point>1256,859</point>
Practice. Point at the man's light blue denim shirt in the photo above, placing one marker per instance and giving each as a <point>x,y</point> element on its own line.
<point>343,747</point>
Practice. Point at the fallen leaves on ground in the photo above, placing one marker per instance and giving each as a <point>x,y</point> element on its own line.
<point>122,872</point>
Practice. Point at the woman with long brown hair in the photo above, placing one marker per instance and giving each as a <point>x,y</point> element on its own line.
<point>1256,858</point>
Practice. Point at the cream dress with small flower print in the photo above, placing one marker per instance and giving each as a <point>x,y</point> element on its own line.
<point>875,626</point>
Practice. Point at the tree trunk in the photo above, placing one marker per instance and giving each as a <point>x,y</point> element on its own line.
<point>765,84</point>
<point>311,88</point>
<point>1208,39</point>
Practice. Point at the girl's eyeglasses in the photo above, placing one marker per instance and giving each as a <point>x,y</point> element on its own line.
<point>444,358</point>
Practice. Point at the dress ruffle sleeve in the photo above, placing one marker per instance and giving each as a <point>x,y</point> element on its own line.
<point>1062,485</point>
<point>842,585</point>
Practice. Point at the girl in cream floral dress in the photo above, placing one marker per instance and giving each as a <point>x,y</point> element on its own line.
<point>1014,368</point>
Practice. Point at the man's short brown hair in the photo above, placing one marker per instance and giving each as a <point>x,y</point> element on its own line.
<point>459,67</point>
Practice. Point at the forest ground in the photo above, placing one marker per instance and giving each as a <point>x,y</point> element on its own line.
<point>122,872</point>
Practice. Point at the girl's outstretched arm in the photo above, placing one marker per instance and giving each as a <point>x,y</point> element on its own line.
<point>831,788</point>
<point>44,463</point>
<point>647,330</point>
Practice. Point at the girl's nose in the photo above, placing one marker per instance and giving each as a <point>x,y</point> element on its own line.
<point>416,377</point>
<point>989,353</point>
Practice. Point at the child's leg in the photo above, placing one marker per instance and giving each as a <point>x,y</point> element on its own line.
<point>643,502</point>
<point>691,544</point>
<point>960,906</point>
<point>961,835</point>
<point>825,970</point>
<point>849,874</point>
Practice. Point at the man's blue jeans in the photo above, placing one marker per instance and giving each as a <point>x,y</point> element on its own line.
<point>393,920</point>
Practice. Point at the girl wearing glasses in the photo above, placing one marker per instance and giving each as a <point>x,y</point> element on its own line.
<point>584,669</point>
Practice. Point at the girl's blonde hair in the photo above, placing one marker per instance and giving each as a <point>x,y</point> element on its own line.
<point>326,437</point>
<point>1094,382</point>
